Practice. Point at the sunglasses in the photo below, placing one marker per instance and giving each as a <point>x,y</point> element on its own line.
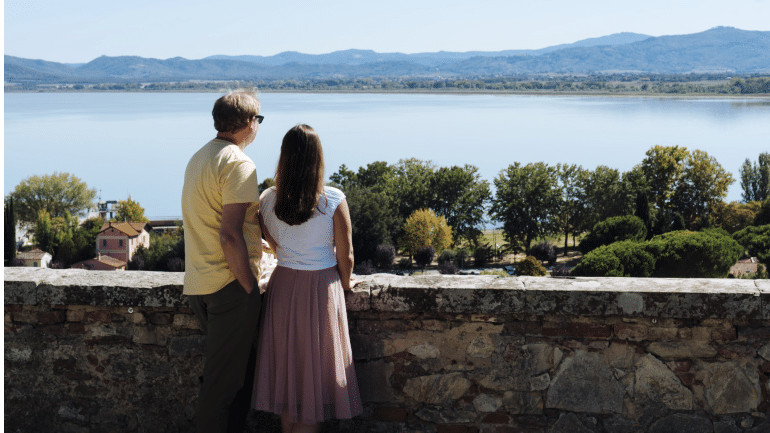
<point>260,118</point>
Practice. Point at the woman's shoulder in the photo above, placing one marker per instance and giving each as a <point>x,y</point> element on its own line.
<point>334,192</point>
<point>267,193</point>
<point>333,197</point>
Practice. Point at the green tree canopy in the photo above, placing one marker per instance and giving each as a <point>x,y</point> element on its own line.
<point>130,211</point>
<point>55,194</point>
<point>527,202</point>
<point>703,184</point>
<point>662,168</point>
<point>460,195</point>
<point>755,178</point>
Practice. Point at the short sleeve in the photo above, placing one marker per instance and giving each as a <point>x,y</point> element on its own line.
<point>240,183</point>
<point>334,197</point>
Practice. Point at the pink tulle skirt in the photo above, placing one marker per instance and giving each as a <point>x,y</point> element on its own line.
<point>305,364</point>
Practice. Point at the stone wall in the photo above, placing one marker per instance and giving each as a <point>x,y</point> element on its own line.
<point>121,352</point>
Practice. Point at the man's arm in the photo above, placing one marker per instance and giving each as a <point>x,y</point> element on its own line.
<point>234,244</point>
<point>343,241</point>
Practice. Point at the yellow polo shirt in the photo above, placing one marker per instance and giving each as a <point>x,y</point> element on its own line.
<point>218,174</point>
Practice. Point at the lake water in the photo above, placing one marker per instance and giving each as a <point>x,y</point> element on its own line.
<point>139,143</point>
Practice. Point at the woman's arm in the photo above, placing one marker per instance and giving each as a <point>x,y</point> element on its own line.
<point>343,241</point>
<point>266,234</point>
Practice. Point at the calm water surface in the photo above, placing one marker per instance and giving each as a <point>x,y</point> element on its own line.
<point>139,143</point>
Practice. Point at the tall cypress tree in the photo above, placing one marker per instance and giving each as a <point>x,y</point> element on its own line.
<point>10,231</point>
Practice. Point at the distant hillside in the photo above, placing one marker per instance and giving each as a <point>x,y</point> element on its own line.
<point>718,50</point>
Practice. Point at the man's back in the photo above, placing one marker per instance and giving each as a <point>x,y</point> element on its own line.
<point>217,174</point>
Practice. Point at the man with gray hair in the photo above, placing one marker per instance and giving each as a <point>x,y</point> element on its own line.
<point>223,247</point>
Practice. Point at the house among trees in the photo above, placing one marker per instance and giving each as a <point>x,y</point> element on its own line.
<point>116,244</point>
<point>35,258</point>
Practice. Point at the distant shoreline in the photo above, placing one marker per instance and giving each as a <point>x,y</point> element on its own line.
<point>693,95</point>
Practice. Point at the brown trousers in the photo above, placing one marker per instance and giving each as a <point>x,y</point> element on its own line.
<point>230,320</point>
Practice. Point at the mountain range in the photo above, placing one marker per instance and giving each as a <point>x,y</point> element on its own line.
<point>718,50</point>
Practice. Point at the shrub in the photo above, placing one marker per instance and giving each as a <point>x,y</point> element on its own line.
<point>365,268</point>
<point>446,256</point>
<point>461,258</point>
<point>619,259</point>
<point>384,256</point>
<point>447,268</point>
<point>614,229</point>
<point>481,255</point>
<point>531,266</point>
<point>708,254</point>
<point>404,263</point>
<point>600,262</point>
<point>424,255</point>
<point>544,251</point>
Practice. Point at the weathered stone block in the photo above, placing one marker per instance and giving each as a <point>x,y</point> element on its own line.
<point>480,347</point>
<point>487,403</point>
<point>75,315</point>
<point>584,383</point>
<point>681,350</point>
<point>437,388</point>
<point>577,330</point>
<point>424,351</point>
<point>731,388</point>
<point>523,403</point>
<point>630,332</point>
<point>764,352</point>
<point>185,321</point>
<point>657,384</point>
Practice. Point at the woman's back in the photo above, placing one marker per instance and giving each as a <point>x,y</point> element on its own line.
<point>306,246</point>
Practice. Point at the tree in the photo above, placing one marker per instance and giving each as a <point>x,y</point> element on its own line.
<point>84,238</point>
<point>755,178</point>
<point>44,236</point>
<point>373,213</point>
<point>266,184</point>
<point>130,211</point>
<point>573,210</point>
<point>9,221</point>
<point>734,216</point>
<point>55,194</point>
<point>662,168</point>
<point>425,228</point>
<point>527,201</point>
<point>702,184</point>
<point>459,194</point>
<point>411,185</point>
<point>606,194</point>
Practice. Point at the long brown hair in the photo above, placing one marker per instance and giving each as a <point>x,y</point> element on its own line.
<point>299,176</point>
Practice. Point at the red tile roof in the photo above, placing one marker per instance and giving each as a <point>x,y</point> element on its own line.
<point>129,228</point>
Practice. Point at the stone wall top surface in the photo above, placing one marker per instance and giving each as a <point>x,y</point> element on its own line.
<point>485,294</point>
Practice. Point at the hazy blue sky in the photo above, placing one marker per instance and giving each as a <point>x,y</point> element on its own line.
<point>81,30</point>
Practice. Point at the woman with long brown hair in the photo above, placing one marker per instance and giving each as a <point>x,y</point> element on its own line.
<point>305,367</point>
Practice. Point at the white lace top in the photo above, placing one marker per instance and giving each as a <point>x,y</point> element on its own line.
<point>308,246</point>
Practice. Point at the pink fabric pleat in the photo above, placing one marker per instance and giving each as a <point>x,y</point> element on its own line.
<point>305,363</point>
